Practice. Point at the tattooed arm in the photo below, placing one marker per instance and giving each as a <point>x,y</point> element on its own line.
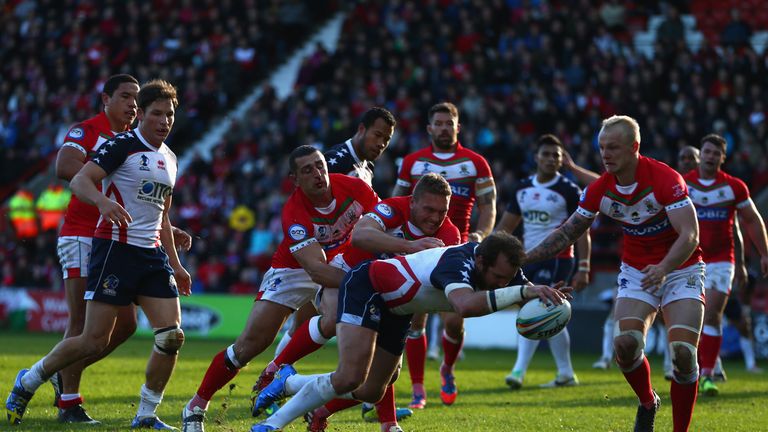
<point>559,239</point>
<point>486,208</point>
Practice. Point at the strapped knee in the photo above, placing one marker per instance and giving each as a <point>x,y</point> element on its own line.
<point>686,368</point>
<point>416,334</point>
<point>168,340</point>
<point>637,335</point>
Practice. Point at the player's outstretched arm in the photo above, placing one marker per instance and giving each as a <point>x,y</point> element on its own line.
<point>686,225</point>
<point>756,229</point>
<point>470,303</point>
<point>559,239</point>
<point>83,184</point>
<point>312,260</point>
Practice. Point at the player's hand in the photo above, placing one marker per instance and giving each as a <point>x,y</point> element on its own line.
<point>740,276</point>
<point>567,160</point>
<point>114,213</point>
<point>424,244</point>
<point>183,281</point>
<point>554,294</point>
<point>475,236</point>
<point>655,276</point>
<point>181,239</point>
<point>580,280</point>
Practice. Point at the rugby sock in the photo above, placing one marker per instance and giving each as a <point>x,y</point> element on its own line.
<point>748,349</point>
<point>70,400</point>
<point>149,401</point>
<point>283,342</point>
<point>451,350</point>
<point>608,338</point>
<point>560,344</point>
<point>35,377</point>
<point>639,378</point>
<point>526,348</point>
<point>314,394</point>
<point>416,352</point>
<point>219,373</point>
<point>294,383</point>
<point>683,398</point>
<point>337,405</point>
<point>305,340</point>
<point>709,348</point>
<point>385,408</point>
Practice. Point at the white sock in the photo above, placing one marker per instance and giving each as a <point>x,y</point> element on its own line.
<point>526,348</point>
<point>70,396</point>
<point>314,394</point>
<point>294,383</point>
<point>35,377</point>
<point>718,369</point>
<point>560,345</point>
<point>314,331</point>
<point>748,349</point>
<point>608,338</point>
<point>149,401</point>
<point>282,344</point>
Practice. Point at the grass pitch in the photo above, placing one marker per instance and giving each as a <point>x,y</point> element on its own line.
<point>604,402</point>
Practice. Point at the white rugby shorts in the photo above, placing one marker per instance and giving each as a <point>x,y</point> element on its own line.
<point>74,255</point>
<point>685,283</point>
<point>720,276</point>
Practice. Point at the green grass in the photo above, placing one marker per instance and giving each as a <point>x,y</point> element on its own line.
<point>603,402</point>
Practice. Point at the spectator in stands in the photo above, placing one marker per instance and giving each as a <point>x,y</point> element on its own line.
<point>671,31</point>
<point>737,32</point>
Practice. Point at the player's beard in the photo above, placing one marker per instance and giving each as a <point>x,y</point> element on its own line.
<point>443,142</point>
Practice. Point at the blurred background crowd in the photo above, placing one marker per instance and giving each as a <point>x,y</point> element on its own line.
<point>515,68</point>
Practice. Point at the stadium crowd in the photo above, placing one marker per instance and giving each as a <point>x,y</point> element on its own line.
<point>515,69</point>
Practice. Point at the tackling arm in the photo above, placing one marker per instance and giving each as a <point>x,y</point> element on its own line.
<point>370,236</point>
<point>564,236</point>
<point>312,260</point>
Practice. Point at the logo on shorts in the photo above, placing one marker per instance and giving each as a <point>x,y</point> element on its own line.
<point>623,282</point>
<point>384,209</point>
<point>76,133</point>
<point>275,283</point>
<point>143,163</point>
<point>691,282</point>
<point>374,314</point>
<point>297,232</point>
<point>109,286</point>
<point>172,282</point>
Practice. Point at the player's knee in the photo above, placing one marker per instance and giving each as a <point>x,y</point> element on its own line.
<point>629,345</point>
<point>327,326</point>
<point>454,329</point>
<point>349,380</point>
<point>395,374</point>
<point>686,368</point>
<point>168,340</point>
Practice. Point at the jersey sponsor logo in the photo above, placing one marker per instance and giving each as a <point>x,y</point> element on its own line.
<point>384,210</point>
<point>649,207</point>
<point>153,192</point>
<point>109,286</point>
<point>712,214</point>
<point>536,217</point>
<point>460,190</point>
<point>616,210</point>
<point>647,230</point>
<point>297,232</point>
<point>143,163</point>
<point>76,133</point>
<point>161,164</point>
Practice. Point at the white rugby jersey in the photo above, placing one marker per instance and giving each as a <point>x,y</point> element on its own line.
<point>543,207</point>
<point>421,282</point>
<point>139,177</point>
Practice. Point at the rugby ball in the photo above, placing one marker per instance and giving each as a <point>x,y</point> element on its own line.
<point>538,320</point>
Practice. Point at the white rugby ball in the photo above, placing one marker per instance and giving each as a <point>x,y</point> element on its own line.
<point>537,320</point>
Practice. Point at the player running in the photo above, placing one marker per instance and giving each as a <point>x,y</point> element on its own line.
<point>542,202</point>
<point>376,302</point>
<point>472,182</point>
<point>661,264</point>
<point>718,196</point>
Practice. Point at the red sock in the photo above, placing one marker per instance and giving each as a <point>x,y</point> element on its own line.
<point>709,347</point>
<point>64,404</point>
<point>216,377</point>
<point>416,352</point>
<point>683,400</point>
<point>301,345</point>
<point>640,381</point>
<point>385,408</point>
<point>336,405</point>
<point>451,350</point>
